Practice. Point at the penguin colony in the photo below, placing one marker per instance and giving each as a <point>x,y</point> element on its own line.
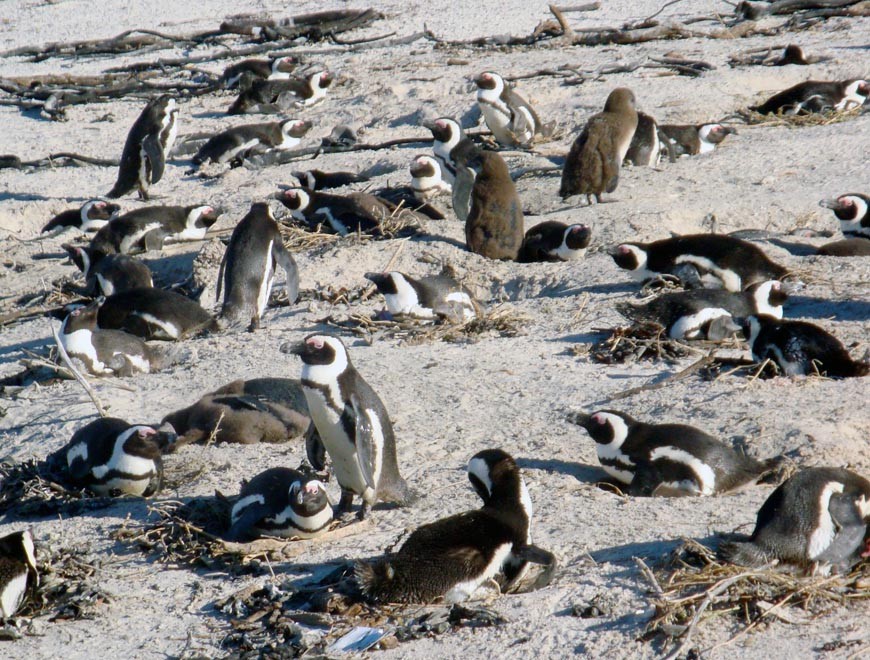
<point>817,519</point>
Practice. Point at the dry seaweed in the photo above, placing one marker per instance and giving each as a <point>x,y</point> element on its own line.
<point>796,121</point>
<point>32,490</point>
<point>644,341</point>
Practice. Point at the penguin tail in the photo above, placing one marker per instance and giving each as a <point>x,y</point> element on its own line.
<point>742,553</point>
<point>120,189</point>
<point>374,578</point>
<point>860,368</point>
<point>776,470</point>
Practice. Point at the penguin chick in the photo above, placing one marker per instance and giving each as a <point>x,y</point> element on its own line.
<point>554,241</point>
<point>18,574</point>
<point>446,134</point>
<point>147,147</point>
<point>694,140</point>
<point>853,212</point>
<point>111,457</point>
<point>107,352</point>
<point>592,165</point>
<point>282,95</point>
<point>815,519</point>
<point>669,459</point>
<point>850,247</point>
<point>146,229</point>
<point>280,502</point>
<point>238,143</point>
<point>452,557</point>
<point>508,115</point>
<point>92,215</point>
<point>154,314</point>
<point>693,314</point>
<point>699,261</point>
<point>816,96</point>
<point>426,178</point>
<point>277,68</point>
<point>434,296</point>
<point>353,424</point>
<point>268,410</point>
<point>799,348</point>
<point>106,274</point>
<point>248,267</point>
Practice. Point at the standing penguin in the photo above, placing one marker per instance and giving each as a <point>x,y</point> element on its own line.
<point>147,147</point>
<point>111,457</point>
<point>91,216</point>
<point>248,268</point>
<point>816,518</point>
<point>816,96</point>
<point>799,348</point>
<point>452,557</point>
<point>146,229</point>
<point>446,133</point>
<point>554,241</point>
<point>353,425</point>
<point>592,166</point>
<point>18,573</point>
<point>699,261</point>
<point>694,140</point>
<point>645,149</point>
<point>239,142</point>
<point>669,459</point>
<point>106,274</point>
<point>435,296</point>
<point>508,115</point>
<point>494,227</point>
<point>281,502</point>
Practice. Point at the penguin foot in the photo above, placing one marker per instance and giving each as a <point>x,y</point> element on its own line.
<point>364,512</point>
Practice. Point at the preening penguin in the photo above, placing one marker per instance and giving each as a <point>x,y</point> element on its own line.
<point>106,274</point>
<point>18,574</point>
<point>281,95</point>
<point>446,133</point>
<point>91,216</point>
<point>433,296</point>
<point>147,147</point>
<point>693,140</point>
<point>154,314</point>
<point>277,68</point>
<point>512,119</point>
<point>146,229</point>
<point>554,241</point>
<point>237,143</point>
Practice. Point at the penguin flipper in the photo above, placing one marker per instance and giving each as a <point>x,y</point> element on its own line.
<point>153,240</point>
<point>286,261</point>
<point>251,515</point>
<point>153,150</point>
<point>366,445</point>
<point>315,449</point>
<point>850,530</point>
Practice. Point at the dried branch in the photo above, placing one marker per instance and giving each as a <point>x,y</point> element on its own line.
<point>76,373</point>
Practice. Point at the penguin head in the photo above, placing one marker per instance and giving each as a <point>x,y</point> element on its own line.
<point>768,297</point>
<point>714,133</point>
<point>142,442</point>
<point>79,256</point>
<point>284,64</point>
<point>81,318</point>
<point>489,80</point>
<point>859,88</point>
<point>495,476</point>
<point>629,256</point>
<point>319,350</point>
<point>852,210</point>
<point>607,427</point>
<point>577,237</point>
<point>99,209</point>
<point>295,128</point>
<point>321,80</point>
<point>297,200</point>
<point>620,99</point>
<point>308,497</point>
<point>445,130</point>
<point>386,282</point>
<point>19,546</point>
<point>202,216</point>
<point>424,167</point>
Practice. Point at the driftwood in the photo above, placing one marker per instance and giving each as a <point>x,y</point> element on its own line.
<point>277,157</point>
<point>754,10</point>
<point>60,159</point>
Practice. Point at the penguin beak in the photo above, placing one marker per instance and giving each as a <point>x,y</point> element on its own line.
<point>294,348</point>
<point>580,419</point>
<point>378,279</point>
<point>833,204</point>
<point>613,251</point>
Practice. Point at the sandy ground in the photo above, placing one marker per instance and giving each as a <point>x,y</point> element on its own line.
<point>449,401</point>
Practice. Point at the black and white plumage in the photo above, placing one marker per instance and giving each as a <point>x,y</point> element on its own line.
<point>281,502</point>
<point>18,574</point>
<point>319,180</point>
<point>687,140</point>
<point>247,271</point>
<point>281,95</point>
<point>433,296</point>
<point>707,313</point>
<point>446,133</point>
<point>646,146</point>
<point>112,457</point>
<point>853,212</point>
<point>106,274</point>
<point>512,119</point>
<point>800,348</point>
<point>146,229</point>
<point>353,424</point>
<point>91,216</point>
<point>452,557</point>
<point>699,261</point>
<point>147,147</point>
<point>669,459</point>
<point>817,96</point>
<point>154,314</point>
<point>238,143</point>
<point>426,178</point>
<point>277,68</point>
<point>554,241</point>
<point>818,518</point>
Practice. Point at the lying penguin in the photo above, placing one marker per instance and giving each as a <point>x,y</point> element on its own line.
<point>146,229</point>
<point>18,574</point>
<point>707,313</point>
<point>816,96</point>
<point>281,502</point>
<point>669,459</point>
<point>235,144</point>
<point>450,558</point>
<point>91,216</point>
<point>154,314</point>
<point>106,274</point>
<point>112,457</point>
<point>430,297</point>
<point>816,519</point>
<point>554,241</point>
<point>688,140</point>
<point>853,212</point>
<point>270,96</point>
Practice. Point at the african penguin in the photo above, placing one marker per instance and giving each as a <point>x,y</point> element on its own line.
<point>318,179</point>
<point>688,140</point>
<point>112,457</point>
<point>792,54</point>
<point>277,68</point>
<point>154,314</point>
<point>106,274</point>
<point>853,212</point>
<point>645,149</point>
<point>434,296</point>
<point>669,459</point>
<point>707,313</point>
<point>426,178</point>
<point>282,95</point>
<point>343,214</point>
<point>592,165</point>
<point>699,261</point>
<point>816,96</point>
<point>453,556</point>
<point>405,198</point>
<point>146,229</point>
<point>554,241</point>
<point>147,147</point>
<point>92,215</point>
<point>799,348</point>
<point>18,573</point>
<point>281,502</point>
<point>247,270</point>
<point>353,424</point>
<point>237,143</point>
<point>849,247</point>
<point>446,134</point>
<point>508,115</point>
<point>816,519</point>
<point>106,352</point>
